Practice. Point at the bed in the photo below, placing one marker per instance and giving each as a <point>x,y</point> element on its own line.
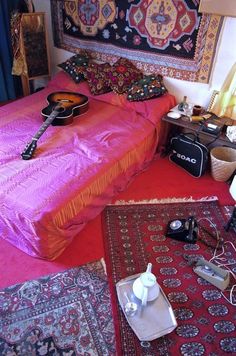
<point>77,169</point>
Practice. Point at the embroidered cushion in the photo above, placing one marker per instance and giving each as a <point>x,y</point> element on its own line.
<point>150,86</point>
<point>75,66</point>
<point>121,75</point>
<point>96,78</point>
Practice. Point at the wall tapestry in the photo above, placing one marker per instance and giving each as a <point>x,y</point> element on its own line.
<point>170,37</point>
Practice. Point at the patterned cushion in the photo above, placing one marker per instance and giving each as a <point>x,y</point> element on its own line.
<point>95,75</point>
<point>150,86</point>
<point>121,75</point>
<point>75,66</point>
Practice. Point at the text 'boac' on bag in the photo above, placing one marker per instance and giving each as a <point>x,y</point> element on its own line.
<point>189,154</point>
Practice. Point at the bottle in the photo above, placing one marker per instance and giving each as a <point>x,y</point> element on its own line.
<point>183,105</point>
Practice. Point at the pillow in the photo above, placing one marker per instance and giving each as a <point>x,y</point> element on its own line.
<point>95,75</point>
<point>121,75</point>
<point>148,109</point>
<point>150,86</point>
<point>75,66</point>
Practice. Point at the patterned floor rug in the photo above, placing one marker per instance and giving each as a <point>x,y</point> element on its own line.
<point>135,234</point>
<point>67,313</point>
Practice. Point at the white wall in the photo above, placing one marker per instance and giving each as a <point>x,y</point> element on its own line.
<point>198,93</point>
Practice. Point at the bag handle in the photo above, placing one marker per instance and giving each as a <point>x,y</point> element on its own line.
<point>209,143</point>
<point>194,134</point>
<point>197,138</point>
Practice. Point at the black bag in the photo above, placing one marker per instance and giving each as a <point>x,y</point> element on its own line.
<point>189,154</point>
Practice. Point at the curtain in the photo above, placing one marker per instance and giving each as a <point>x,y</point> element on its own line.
<point>9,85</point>
<point>225,104</point>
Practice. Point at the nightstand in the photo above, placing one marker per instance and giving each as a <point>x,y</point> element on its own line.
<point>178,125</point>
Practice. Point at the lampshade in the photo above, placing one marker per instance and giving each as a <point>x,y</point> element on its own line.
<point>225,104</point>
<point>232,188</point>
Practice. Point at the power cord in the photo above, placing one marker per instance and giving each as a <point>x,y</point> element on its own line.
<point>216,236</point>
<point>219,259</point>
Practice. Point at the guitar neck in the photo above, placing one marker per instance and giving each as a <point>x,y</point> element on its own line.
<point>47,123</point>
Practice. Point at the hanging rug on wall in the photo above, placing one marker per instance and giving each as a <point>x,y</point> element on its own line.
<point>168,37</point>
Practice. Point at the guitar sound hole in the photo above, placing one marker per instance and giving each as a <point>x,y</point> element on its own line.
<point>60,110</point>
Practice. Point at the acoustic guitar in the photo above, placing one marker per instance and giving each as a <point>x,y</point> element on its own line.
<point>61,109</point>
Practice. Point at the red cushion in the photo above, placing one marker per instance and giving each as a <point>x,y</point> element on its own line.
<point>96,78</point>
<point>121,75</point>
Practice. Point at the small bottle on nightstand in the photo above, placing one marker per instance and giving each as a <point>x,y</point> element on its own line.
<point>183,105</point>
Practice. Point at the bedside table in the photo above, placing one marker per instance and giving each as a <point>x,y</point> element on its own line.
<point>178,125</point>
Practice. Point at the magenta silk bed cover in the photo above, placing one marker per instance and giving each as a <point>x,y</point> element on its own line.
<point>47,200</point>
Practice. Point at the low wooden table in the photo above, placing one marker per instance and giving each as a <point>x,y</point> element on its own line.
<point>181,124</point>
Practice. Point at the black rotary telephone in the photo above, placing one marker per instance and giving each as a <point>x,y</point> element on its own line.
<point>183,229</point>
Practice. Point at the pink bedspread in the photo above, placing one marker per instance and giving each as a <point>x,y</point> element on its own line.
<point>77,168</point>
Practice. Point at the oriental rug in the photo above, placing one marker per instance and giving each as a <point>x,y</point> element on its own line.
<point>134,235</point>
<point>67,313</point>
<point>170,37</point>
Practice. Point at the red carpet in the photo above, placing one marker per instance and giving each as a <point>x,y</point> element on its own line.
<point>134,236</point>
<point>161,180</point>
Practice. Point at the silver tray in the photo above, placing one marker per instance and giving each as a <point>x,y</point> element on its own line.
<point>152,321</point>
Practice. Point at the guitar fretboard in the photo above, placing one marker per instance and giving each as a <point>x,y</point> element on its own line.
<point>47,123</point>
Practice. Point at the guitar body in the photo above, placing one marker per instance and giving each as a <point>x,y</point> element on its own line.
<point>71,105</point>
